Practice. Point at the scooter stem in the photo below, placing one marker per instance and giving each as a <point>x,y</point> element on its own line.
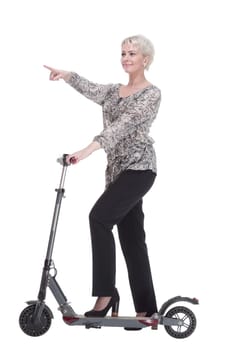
<point>48,260</point>
<point>60,194</point>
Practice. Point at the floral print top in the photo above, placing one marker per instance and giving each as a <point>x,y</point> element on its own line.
<point>127,121</point>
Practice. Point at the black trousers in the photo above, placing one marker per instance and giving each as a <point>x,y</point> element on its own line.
<point>121,205</point>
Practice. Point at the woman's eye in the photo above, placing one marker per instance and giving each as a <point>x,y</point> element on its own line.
<point>123,54</point>
<point>132,54</point>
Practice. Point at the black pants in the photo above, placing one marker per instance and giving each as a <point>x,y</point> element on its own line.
<point>121,205</point>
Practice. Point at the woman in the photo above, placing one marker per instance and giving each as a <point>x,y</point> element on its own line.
<point>128,112</point>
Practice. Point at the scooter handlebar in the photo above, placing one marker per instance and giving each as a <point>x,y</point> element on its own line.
<point>63,160</point>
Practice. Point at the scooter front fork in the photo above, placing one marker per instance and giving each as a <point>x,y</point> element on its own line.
<point>48,279</point>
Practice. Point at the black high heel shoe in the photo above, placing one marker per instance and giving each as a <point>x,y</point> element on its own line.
<point>113,303</point>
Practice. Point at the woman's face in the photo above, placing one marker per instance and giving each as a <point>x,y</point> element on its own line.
<point>132,59</point>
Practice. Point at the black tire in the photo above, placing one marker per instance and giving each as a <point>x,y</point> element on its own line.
<point>38,328</point>
<point>188,319</point>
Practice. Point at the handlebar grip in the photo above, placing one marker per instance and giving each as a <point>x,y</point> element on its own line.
<point>62,160</point>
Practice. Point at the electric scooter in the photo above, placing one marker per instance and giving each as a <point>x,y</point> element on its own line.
<point>35,320</point>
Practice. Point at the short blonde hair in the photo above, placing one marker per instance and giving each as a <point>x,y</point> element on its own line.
<point>144,44</point>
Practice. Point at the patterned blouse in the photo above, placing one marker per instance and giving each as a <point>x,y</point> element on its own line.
<point>127,120</point>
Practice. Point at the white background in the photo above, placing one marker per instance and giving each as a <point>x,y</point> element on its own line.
<point>188,211</point>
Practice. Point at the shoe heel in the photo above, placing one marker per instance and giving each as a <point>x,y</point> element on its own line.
<point>115,309</point>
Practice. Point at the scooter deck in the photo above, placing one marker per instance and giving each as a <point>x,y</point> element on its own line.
<point>118,321</point>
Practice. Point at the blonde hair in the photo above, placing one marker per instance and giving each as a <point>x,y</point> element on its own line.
<point>145,46</point>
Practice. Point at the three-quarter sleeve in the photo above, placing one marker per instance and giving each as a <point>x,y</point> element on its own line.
<point>93,91</point>
<point>140,114</point>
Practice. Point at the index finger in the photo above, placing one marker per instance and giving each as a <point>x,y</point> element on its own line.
<point>49,68</point>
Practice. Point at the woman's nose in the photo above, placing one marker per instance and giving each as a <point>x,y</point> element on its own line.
<point>125,58</point>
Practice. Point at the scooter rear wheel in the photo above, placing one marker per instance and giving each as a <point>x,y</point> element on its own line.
<point>35,329</point>
<point>187,322</point>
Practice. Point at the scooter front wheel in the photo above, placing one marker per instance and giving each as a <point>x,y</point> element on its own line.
<point>37,327</point>
<point>187,322</point>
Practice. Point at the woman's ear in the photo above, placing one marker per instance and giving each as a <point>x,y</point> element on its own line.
<point>145,61</point>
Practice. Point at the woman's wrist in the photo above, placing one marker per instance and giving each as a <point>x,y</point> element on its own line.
<point>67,76</point>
